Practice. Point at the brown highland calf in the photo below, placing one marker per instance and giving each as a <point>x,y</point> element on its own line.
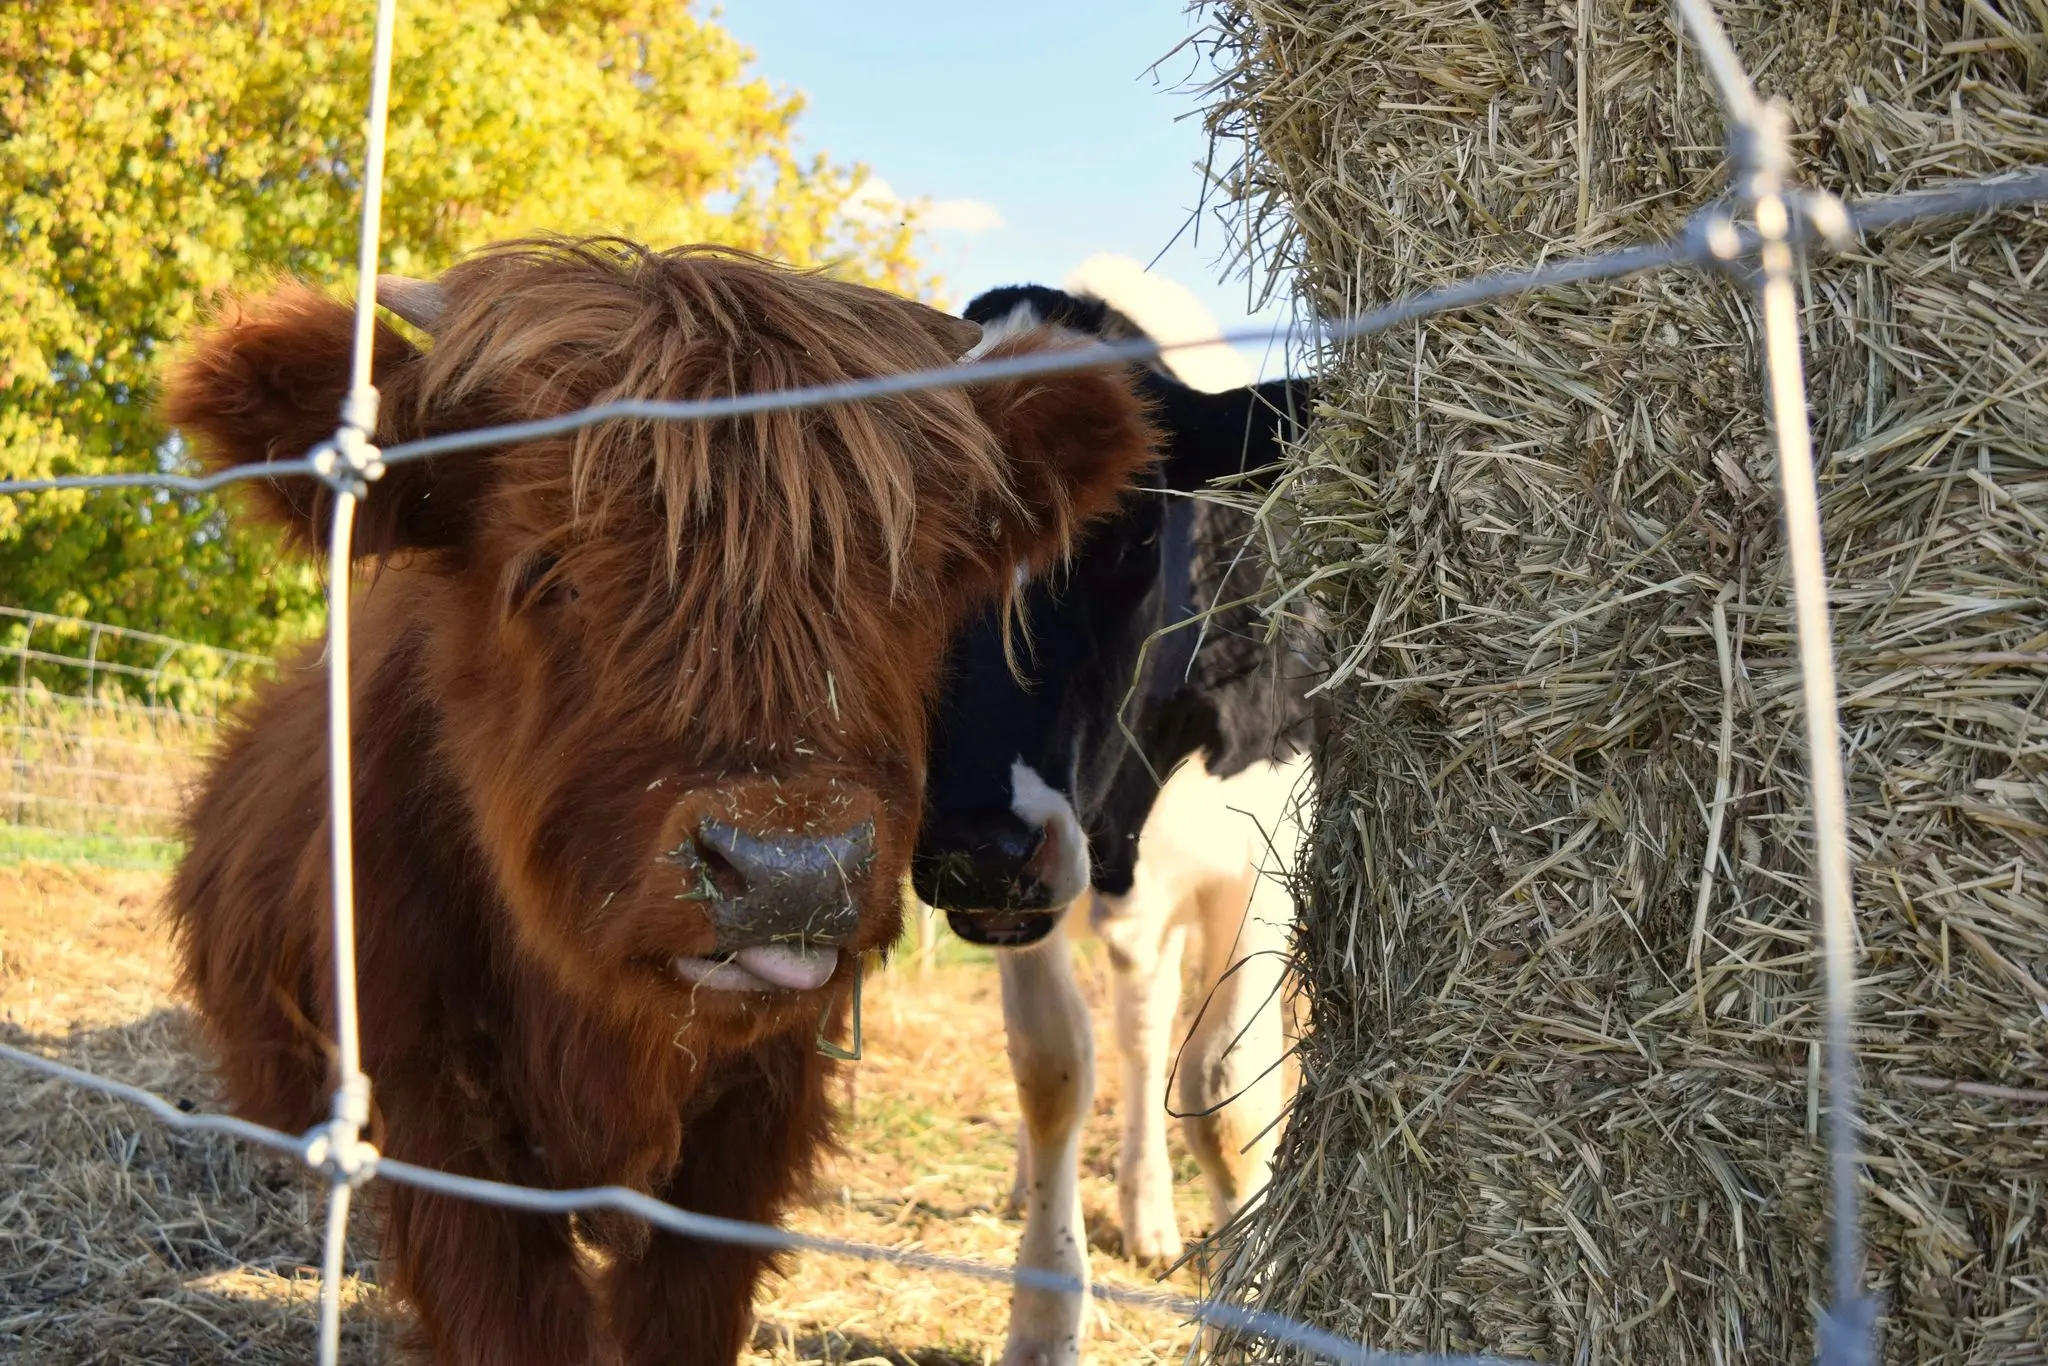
<point>640,721</point>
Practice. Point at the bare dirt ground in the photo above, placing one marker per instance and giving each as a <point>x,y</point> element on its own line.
<point>121,1241</point>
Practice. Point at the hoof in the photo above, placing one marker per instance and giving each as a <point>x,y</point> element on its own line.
<point>1152,1242</point>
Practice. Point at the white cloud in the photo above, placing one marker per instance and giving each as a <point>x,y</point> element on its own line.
<point>877,202</point>
<point>1170,313</point>
<point>961,215</point>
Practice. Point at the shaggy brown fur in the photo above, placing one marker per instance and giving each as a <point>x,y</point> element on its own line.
<point>576,649</point>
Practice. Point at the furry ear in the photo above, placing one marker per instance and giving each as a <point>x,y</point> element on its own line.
<point>1076,441</point>
<point>1213,436</point>
<point>265,382</point>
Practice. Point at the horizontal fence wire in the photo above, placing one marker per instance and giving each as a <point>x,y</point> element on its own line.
<point>738,1231</point>
<point>1761,254</point>
<point>1711,241</point>
<point>169,645</point>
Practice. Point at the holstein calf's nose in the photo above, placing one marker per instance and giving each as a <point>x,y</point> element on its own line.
<point>980,865</point>
<point>1000,881</point>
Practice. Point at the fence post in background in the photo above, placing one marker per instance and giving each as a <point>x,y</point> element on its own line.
<point>153,695</point>
<point>156,673</point>
<point>1760,150</point>
<point>19,784</point>
<point>153,692</point>
<point>88,776</point>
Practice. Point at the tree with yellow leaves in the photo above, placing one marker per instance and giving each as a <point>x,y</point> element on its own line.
<point>156,152</point>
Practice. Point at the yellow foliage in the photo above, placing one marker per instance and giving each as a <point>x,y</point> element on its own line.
<point>152,154</point>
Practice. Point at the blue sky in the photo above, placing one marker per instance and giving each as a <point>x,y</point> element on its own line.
<point>1033,125</point>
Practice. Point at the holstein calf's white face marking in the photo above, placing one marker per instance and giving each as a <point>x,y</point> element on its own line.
<point>1062,861</point>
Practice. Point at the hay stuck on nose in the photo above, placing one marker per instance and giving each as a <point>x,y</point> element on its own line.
<point>1562,1098</point>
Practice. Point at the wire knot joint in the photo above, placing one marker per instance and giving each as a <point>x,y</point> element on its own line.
<point>349,461</point>
<point>337,1147</point>
<point>1715,240</point>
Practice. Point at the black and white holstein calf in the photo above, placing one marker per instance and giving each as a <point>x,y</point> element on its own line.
<point>1144,661</point>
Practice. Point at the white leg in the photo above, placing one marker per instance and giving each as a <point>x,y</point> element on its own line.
<point>1052,1056</point>
<point>1231,1085</point>
<point>1020,1183</point>
<point>927,938</point>
<point>1145,939</point>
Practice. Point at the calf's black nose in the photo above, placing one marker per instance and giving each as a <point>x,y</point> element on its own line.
<point>784,887</point>
<point>982,864</point>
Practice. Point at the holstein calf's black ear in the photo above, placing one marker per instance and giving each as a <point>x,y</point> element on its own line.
<point>1206,436</point>
<point>1075,440</point>
<point>265,383</point>
<point>1212,436</point>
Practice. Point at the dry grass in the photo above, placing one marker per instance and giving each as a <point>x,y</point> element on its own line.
<point>1562,1096</point>
<point>121,1242</point>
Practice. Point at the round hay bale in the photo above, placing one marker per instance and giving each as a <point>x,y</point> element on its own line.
<point>1563,1095</point>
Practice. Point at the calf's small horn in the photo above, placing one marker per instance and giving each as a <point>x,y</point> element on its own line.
<point>419,302</point>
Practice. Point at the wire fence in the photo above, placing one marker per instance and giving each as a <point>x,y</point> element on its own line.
<point>1754,238</point>
<point>101,729</point>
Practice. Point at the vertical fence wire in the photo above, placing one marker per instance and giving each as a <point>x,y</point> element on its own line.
<point>351,1107</point>
<point>1761,161</point>
<point>354,463</point>
<point>19,782</point>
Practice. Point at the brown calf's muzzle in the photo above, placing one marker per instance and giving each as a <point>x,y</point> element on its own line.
<point>779,888</point>
<point>780,879</point>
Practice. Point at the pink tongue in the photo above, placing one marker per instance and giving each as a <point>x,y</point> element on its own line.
<point>785,966</point>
